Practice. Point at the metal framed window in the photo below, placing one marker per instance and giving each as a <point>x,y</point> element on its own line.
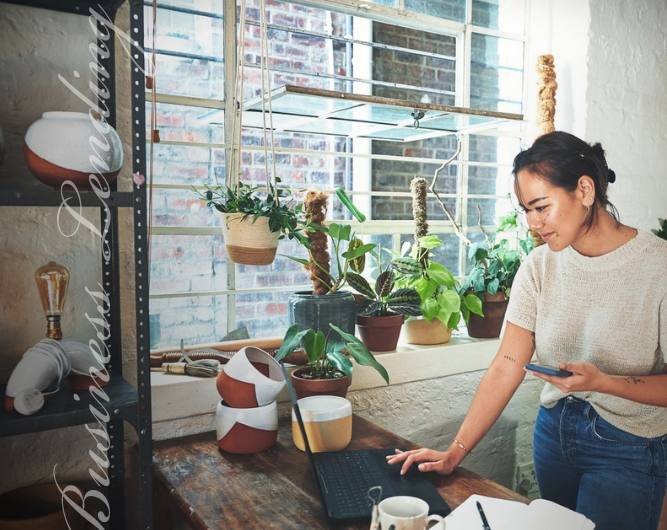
<point>445,53</point>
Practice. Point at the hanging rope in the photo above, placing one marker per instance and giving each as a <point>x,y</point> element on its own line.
<point>237,123</point>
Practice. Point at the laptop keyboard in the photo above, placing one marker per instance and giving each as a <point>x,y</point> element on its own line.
<point>349,477</point>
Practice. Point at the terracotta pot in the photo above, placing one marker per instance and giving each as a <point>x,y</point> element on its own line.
<point>39,507</point>
<point>380,333</point>
<point>246,431</point>
<point>63,146</point>
<point>419,331</point>
<point>317,311</point>
<point>490,325</point>
<point>249,243</point>
<point>317,387</point>
<point>251,378</point>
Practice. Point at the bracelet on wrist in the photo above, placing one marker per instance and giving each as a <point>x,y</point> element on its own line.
<point>469,451</point>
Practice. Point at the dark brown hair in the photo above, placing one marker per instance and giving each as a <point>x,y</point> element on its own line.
<point>561,159</point>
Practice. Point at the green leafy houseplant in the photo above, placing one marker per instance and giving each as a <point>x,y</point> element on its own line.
<point>325,357</point>
<point>495,264</point>
<point>438,289</point>
<point>348,250</point>
<point>384,299</point>
<point>662,232</point>
<point>283,215</point>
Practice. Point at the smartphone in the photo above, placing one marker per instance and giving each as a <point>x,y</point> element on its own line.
<point>548,371</point>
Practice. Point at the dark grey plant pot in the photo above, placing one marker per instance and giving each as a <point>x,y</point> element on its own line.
<point>317,311</point>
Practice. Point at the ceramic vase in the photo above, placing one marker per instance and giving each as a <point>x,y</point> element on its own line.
<point>418,331</point>
<point>73,146</point>
<point>317,311</point>
<point>248,242</point>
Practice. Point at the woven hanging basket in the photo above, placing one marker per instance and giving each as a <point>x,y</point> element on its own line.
<point>249,243</point>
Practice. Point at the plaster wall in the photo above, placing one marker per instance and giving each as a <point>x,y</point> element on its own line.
<point>35,46</point>
<point>610,89</point>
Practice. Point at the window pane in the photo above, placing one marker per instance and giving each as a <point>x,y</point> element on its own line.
<point>496,74</point>
<point>196,320</point>
<point>428,62</point>
<point>504,15</point>
<point>190,53</point>
<point>180,264</point>
<point>448,9</point>
<point>264,314</point>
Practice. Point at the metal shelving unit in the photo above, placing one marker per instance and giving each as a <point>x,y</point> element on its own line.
<point>126,403</point>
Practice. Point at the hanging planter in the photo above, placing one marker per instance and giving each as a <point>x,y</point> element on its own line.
<point>249,242</point>
<point>255,217</point>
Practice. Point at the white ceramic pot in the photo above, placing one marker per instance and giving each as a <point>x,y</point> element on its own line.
<point>328,423</point>
<point>249,243</point>
<point>63,146</point>
<point>251,378</point>
<point>246,431</point>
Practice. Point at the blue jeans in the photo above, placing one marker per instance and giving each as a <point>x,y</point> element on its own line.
<point>614,478</point>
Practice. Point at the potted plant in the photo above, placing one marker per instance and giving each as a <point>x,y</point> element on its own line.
<point>329,370</point>
<point>495,265</point>
<point>662,232</point>
<point>327,303</point>
<point>381,309</point>
<point>441,303</point>
<point>253,224</point>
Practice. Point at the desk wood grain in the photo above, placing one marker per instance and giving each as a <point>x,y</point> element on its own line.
<point>274,489</point>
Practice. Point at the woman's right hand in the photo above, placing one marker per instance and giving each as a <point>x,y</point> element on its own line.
<point>442,462</point>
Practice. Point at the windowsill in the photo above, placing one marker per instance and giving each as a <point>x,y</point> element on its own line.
<point>180,397</point>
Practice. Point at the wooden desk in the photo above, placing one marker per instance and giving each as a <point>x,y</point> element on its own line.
<point>273,489</point>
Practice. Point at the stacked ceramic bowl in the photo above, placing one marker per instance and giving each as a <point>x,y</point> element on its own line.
<point>247,416</point>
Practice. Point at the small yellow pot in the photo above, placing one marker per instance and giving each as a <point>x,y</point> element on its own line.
<point>419,331</point>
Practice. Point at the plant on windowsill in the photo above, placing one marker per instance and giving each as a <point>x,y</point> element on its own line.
<point>381,309</point>
<point>253,223</point>
<point>327,303</point>
<point>441,303</point>
<point>495,265</point>
<point>329,370</point>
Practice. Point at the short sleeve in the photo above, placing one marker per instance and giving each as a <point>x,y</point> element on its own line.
<point>522,308</point>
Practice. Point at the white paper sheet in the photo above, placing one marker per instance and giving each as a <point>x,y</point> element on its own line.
<point>513,515</point>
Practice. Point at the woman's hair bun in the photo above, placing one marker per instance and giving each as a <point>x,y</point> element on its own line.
<point>611,176</point>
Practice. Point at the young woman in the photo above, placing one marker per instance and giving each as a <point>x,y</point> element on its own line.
<point>592,301</point>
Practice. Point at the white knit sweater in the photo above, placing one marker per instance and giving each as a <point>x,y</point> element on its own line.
<point>609,310</point>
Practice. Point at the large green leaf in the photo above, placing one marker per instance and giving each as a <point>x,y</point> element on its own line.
<point>361,354</point>
<point>430,309</point>
<point>340,362</point>
<point>359,251</point>
<point>408,296</point>
<point>473,303</point>
<point>408,266</point>
<point>314,344</point>
<point>441,275</point>
<point>347,202</point>
<point>384,284</point>
<point>429,241</point>
<point>359,284</point>
<point>291,341</point>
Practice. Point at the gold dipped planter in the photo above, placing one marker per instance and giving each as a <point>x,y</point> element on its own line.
<point>419,331</point>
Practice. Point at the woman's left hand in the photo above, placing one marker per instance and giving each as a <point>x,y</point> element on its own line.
<point>586,377</point>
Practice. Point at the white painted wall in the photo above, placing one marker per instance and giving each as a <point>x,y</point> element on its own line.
<point>610,64</point>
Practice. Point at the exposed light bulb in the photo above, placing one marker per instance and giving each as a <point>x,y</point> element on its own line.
<point>52,282</point>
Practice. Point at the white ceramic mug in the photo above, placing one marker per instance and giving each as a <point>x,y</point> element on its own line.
<point>406,513</point>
